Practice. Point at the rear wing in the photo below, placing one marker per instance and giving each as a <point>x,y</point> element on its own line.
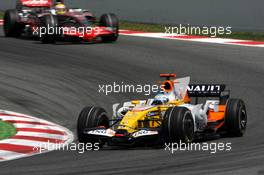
<point>36,3</point>
<point>205,90</point>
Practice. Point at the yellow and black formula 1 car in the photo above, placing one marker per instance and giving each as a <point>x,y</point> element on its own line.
<point>171,116</point>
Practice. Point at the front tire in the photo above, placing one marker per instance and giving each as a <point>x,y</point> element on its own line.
<point>12,28</point>
<point>178,125</point>
<point>91,117</point>
<point>235,117</point>
<point>110,20</point>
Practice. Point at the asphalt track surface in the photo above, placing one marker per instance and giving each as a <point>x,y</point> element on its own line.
<point>54,82</point>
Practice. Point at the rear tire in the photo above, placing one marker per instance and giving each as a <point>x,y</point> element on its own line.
<point>91,117</point>
<point>11,26</point>
<point>235,117</point>
<point>49,21</point>
<point>178,125</point>
<point>110,20</point>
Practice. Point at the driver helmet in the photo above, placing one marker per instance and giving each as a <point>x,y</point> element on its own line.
<point>160,99</point>
<point>60,9</point>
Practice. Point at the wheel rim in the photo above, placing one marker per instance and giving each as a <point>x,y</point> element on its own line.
<point>243,119</point>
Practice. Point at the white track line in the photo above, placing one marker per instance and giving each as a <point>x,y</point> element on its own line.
<point>193,38</point>
<point>44,135</point>
<point>31,143</point>
<point>22,119</point>
<point>21,125</point>
<point>9,155</point>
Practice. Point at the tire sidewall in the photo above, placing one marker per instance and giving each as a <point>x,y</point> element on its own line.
<point>173,127</point>
<point>234,116</point>
<point>49,21</point>
<point>91,117</point>
<point>110,20</point>
<point>11,25</point>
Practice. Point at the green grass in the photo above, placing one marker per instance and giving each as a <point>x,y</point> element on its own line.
<point>142,27</point>
<point>256,36</point>
<point>1,15</point>
<point>6,130</point>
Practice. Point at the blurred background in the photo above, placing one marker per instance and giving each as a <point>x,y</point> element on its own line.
<point>241,15</point>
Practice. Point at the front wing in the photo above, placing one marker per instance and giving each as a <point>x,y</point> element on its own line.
<point>116,138</point>
<point>89,33</point>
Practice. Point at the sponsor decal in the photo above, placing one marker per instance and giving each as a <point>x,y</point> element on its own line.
<point>197,90</point>
<point>144,133</point>
<point>98,131</point>
<point>102,132</point>
<point>137,109</point>
<point>36,2</point>
<point>153,113</point>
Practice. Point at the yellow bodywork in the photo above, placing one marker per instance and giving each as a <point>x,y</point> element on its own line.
<point>138,117</point>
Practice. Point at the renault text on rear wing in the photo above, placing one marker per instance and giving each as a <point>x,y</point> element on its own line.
<point>205,90</point>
